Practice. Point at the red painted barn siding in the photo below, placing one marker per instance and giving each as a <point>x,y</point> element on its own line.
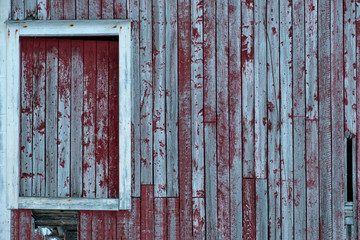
<point>247,100</point>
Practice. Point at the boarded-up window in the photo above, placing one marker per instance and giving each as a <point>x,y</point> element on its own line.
<point>69,144</point>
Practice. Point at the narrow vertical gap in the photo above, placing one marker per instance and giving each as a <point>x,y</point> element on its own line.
<point>349,172</point>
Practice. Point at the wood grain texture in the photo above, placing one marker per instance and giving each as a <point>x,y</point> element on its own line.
<point>273,104</point>
<point>171,99</point>
<point>260,84</point>
<point>337,119</point>
<point>77,110</point>
<point>147,211</point>
<point>222,123</point>
<point>184,138</point>
<point>173,228</point>
<point>102,119</point>
<point>248,90</point>
<point>349,66</point>
<point>113,120</point>
<point>159,91</point>
<point>145,65</point>
<point>299,119</point>
<point>324,119</point>
<point>57,9</point>
<point>39,55</point>
<point>199,218</point>
<point>197,127</point>
<point>51,116</point>
<point>261,208</point>
<point>120,8</point>
<point>82,9</point>
<point>357,223</point>
<point>64,116</point>
<point>160,218</point>
<point>286,129</point>
<point>89,120</point>
<point>235,126</point>
<point>18,9</point>
<point>26,142</point>
<point>134,231</point>
<point>249,208</point>
<point>69,9</point>
<point>311,121</point>
<point>211,183</point>
<point>135,96</point>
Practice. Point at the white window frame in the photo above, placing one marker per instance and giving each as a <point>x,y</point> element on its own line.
<point>47,28</point>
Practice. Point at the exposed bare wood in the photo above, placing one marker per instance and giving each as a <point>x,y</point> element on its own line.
<point>159,91</point>
<point>171,78</point>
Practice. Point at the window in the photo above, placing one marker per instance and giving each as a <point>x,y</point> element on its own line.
<point>67,34</point>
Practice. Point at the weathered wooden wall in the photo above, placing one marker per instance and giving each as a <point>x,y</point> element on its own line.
<point>240,110</point>
<point>69,117</point>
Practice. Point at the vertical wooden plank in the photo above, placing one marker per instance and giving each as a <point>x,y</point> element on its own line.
<point>210,61</point>
<point>24,224</point>
<point>110,225</point>
<point>236,213</point>
<point>82,9</point>
<point>261,208</point>
<point>357,223</point>
<point>222,115</point>
<point>312,158</point>
<point>159,131</point>
<point>135,96</point>
<point>77,110</point>
<point>145,65</point>
<point>15,228</point>
<point>299,119</point>
<point>113,119</point>
<point>211,184</point>
<point>26,139</point>
<point>17,9</point>
<point>89,119</point>
<point>184,73</point>
<point>97,225</point>
<point>95,9</point>
<point>273,64</point>
<point>51,116</point>
<point>122,225</point>
<point>324,119</point>
<point>173,227</point>
<point>199,218</point>
<point>120,10</point>
<point>85,226</point>
<point>248,90</point>
<point>102,119</point>
<point>286,129</point>
<point>147,210</point>
<point>260,134</point>
<point>64,111</point>
<point>57,9</point>
<point>43,9</point>
<point>337,119</point>
<point>197,130</point>
<point>171,99</point>
<point>107,9</point>
<point>349,66</point>
<point>249,208</point>
<point>39,118</point>
<point>125,116</point>
<point>69,9</point>
<point>160,218</point>
<point>30,9</point>
<point>134,231</point>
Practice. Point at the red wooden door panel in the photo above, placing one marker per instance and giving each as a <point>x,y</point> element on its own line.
<point>69,117</point>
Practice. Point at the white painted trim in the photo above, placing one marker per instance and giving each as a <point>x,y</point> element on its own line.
<point>125,119</point>
<point>110,204</point>
<point>16,29</point>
